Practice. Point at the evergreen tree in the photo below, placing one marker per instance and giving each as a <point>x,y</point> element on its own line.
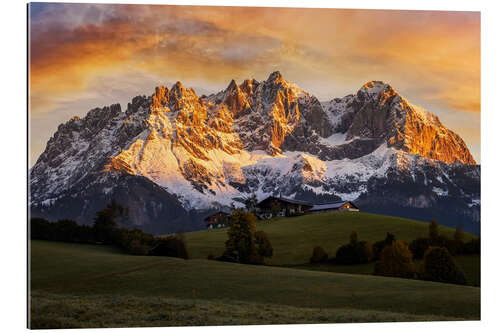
<point>433,230</point>
<point>105,222</point>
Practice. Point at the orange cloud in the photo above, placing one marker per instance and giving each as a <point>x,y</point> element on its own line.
<point>432,57</point>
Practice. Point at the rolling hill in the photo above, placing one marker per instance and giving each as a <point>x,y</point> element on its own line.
<point>293,238</point>
<point>74,285</point>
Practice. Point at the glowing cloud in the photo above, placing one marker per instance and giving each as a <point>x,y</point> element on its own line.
<point>431,57</point>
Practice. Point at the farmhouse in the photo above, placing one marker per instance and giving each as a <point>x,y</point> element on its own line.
<point>283,206</point>
<point>343,206</point>
<point>217,220</point>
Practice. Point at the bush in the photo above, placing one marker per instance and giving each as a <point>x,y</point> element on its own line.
<point>318,255</point>
<point>354,253</point>
<point>264,247</point>
<point>396,260</point>
<point>419,246</point>
<point>170,246</point>
<point>136,247</point>
<point>132,241</point>
<point>211,256</point>
<point>379,246</point>
<point>438,265</point>
<point>451,245</point>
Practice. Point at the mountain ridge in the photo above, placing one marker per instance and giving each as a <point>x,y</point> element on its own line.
<point>264,137</point>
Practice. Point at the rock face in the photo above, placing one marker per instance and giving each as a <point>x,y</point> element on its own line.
<point>173,157</point>
<point>378,111</point>
<point>272,115</point>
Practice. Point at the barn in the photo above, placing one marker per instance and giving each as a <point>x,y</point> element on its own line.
<point>286,207</point>
<point>341,206</point>
<point>217,220</point>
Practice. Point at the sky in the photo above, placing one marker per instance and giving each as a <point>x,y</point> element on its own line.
<point>84,56</point>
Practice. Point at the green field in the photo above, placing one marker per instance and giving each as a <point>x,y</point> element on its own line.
<point>76,285</point>
<point>293,238</point>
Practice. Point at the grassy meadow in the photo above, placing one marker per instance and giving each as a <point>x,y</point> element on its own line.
<point>78,285</point>
<point>293,238</point>
<point>74,285</point>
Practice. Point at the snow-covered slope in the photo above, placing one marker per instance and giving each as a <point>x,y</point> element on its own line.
<point>267,138</point>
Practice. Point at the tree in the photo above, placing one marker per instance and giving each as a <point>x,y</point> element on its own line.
<point>105,222</point>
<point>275,208</point>
<point>395,260</point>
<point>458,241</point>
<point>419,246</point>
<point>380,245</point>
<point>356,252</point>
<point>318,255</point>
<point>241,237</point>
<point>170,246</point>
<point>251,203</point>
<point>353,238</point>
<point>433,230</point>
<point>264,247</point>
<point>438,265</point>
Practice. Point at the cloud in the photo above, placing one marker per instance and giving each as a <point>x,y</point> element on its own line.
<point>433,58</point>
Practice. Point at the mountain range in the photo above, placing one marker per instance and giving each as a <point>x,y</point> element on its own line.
<point>174,157</point>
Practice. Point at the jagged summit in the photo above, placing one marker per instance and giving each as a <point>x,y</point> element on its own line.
<point>275,77</point>
<point>232,85</point>
<point>265,137</point>
<point>377,110</point>
<point>376,85</point>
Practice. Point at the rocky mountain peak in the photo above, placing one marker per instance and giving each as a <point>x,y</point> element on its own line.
<point>266,137</point>
<point>232,86</point>
<point>275,77</point>
<point>378,111</point>
<point>373,88</point>
<point>160,97</point>
<point>248,86</point>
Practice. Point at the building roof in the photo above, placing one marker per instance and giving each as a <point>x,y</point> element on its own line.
<point>331,205</point>
<point>216,213</point>
<point>292,201</point>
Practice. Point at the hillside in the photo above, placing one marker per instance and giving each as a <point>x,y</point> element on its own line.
<point>76,285</point>
<point>294,238</point>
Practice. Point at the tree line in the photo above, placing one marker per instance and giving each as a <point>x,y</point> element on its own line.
<point>396,258</point>
<point>105,230</point>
